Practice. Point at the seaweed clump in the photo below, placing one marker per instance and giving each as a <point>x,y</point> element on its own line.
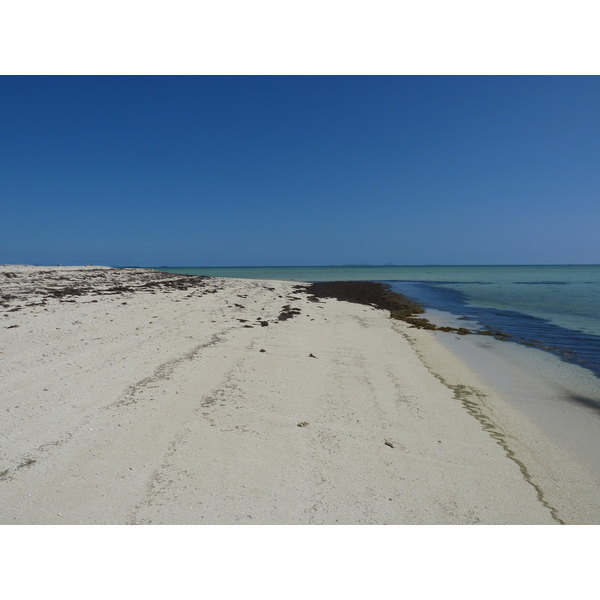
<point>287,312</point>
<point>378,295</point>
<point>371,293</point>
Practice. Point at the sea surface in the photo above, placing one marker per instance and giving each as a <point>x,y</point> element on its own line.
<point>552,307</point>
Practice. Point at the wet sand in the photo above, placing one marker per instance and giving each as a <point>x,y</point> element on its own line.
<point>130,396</point>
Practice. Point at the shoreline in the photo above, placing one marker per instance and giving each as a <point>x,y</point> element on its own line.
<point>553,441</point>
<point>160,398</point>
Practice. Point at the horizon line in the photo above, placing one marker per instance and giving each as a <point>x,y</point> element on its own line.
<point>361,265</point>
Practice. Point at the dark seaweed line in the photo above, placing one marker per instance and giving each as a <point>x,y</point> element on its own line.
<point>379,295</point>
<point>464,394</point>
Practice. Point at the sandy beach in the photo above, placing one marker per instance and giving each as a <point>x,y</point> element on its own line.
<point>130,396</point>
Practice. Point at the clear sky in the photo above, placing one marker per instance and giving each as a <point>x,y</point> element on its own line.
<point>215,171</point>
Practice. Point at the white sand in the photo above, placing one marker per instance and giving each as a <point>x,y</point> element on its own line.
<point>161,408</point>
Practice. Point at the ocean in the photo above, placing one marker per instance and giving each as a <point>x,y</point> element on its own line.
<point>555,308</point>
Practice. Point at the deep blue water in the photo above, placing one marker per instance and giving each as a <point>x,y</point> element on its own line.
<point>572,345</point>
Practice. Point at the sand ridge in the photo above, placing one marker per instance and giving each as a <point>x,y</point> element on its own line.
<point>150,398</point>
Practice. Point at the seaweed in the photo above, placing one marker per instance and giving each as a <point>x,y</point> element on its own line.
<point>380,295</point>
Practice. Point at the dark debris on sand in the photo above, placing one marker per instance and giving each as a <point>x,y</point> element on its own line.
<point>46,284</point>
<point>380,295</point>
<point>287,312</point>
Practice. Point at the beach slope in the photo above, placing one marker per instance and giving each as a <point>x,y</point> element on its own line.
<point>130,396</point>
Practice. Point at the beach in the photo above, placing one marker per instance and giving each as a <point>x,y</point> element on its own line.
<point>132,396</point>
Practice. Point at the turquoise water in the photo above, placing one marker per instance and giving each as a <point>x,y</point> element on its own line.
<point>557,306</point>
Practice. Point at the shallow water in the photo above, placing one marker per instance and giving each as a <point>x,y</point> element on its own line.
<point>514,315</point>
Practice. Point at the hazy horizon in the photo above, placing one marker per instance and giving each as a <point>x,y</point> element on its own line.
<point>286,266</point>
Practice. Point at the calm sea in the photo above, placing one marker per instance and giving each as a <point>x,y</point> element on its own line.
<point>556,307</point>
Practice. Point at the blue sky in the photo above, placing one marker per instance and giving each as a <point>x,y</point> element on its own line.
<point>215,171</point>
